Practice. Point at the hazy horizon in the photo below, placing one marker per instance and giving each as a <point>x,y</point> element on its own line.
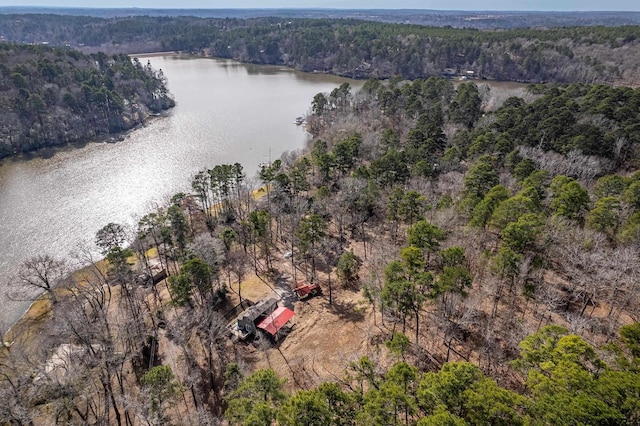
<point>461,5</point>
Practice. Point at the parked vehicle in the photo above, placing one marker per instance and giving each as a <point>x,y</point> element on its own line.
<point>304,290</point>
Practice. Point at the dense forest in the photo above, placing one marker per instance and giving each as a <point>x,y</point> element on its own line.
<point>356,48</point>
<point>435,18</point>
<point>476,251</point>
<point>479,251</point>
<point>51,96</point>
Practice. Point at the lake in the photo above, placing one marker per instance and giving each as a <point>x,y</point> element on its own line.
<point>226,112</point>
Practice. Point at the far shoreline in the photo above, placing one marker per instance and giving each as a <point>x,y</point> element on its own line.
<point>153,54</point>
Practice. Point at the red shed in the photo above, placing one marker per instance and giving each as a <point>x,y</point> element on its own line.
<point>276,320</point>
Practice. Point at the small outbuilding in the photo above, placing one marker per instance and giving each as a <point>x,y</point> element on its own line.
<point>276,320</point>
<point>245,323</point>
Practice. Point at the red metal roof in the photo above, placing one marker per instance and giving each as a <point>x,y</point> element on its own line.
<point>276,320</point>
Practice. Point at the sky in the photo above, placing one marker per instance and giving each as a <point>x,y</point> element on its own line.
<point>541,5</point>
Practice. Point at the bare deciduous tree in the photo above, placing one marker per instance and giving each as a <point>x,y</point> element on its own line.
<point>37,274</point>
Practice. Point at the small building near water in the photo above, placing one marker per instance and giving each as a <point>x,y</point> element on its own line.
<point>247,319</point>
<point>273,322</point>
<point>265,315</point>
<point>449,72</point>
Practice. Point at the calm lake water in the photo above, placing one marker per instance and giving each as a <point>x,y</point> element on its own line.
<point>226,112</point>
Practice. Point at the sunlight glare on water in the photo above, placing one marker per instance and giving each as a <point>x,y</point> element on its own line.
<point>226,112</point>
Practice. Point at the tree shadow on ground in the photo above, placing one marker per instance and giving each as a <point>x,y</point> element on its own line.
<point>348,311</point>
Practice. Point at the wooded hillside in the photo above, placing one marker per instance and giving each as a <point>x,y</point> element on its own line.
<point>51,96</point>
<point>477,255</point>
<point>476,247</point>
<point>356,48</point>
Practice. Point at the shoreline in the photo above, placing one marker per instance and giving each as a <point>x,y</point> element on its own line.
<point>153,54</point>
<point>51,150</point>
<point>32,314</point>
<point>13,333</point>
<point>39,308</point>
<point>15,312</point>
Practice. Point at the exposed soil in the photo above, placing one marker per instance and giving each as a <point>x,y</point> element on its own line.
<point>321,342</point>
<point>323,339</point>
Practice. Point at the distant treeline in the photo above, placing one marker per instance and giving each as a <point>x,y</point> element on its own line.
<point>357,48</point>
<point>435,18</point>
<point>50,96</point>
